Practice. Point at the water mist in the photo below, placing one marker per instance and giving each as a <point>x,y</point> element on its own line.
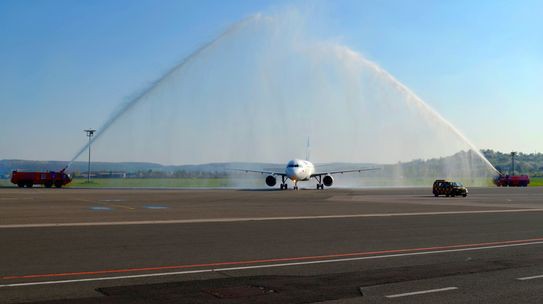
<point>257,91</point>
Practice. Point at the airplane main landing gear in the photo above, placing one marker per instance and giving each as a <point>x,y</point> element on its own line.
<point>283,185</point>
<point>320,185</point>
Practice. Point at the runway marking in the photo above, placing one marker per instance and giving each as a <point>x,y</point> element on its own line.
<point>248,219</point>
<point>16,198</point>
<point>420,292</point>
<point>100,208</point>
<point>122,206</point>
<point>155,207</point>
<point>105,203</point>
<point>530,278</point>
<point>292,261</point>
<point>108,202</point>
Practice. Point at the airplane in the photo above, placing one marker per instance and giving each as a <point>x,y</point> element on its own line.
<point>298,170</point>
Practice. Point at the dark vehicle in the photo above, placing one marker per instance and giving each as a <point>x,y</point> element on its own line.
<point>448,188</point>
<point>47,179</point>
<point>512,181</point>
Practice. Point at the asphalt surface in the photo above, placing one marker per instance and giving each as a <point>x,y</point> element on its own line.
<point>236,246</point>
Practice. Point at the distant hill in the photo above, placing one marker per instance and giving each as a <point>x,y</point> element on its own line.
<point>8,165</point>
<point>454,165</point>
<point>144,169</point>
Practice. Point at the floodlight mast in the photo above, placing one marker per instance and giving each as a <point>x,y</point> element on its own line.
<point>513,154</point>
<point>90,133</point>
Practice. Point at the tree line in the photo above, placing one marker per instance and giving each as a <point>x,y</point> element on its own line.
<point>525,163</point>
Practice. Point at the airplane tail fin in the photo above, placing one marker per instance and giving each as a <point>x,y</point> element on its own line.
<point>307,150</point>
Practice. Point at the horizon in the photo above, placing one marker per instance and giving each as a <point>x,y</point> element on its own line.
<point>256,162</point>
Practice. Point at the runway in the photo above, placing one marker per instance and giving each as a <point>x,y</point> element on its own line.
<point>235,246</point>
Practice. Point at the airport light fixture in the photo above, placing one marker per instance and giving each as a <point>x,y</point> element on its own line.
<point>90,133</point>
<point>513,154</point>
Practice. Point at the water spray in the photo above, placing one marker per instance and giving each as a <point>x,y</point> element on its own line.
<point>410,95</point>
<point>138,98</point>
<point>274,67</point>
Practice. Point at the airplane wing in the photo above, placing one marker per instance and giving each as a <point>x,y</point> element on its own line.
<point>257,171</point>
<point>343,171</point>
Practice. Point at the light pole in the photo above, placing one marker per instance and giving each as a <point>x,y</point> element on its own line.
<point>513,162</point>
<point>90,133</point>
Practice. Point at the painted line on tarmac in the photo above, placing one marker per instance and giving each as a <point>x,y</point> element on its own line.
<point>16,198</point>
<point>264,263</point>
<point>121,206</point>
<point>414,293</point>
<point>100,208</point>
<point>248,219</point>
<point>155,207</point>
<point>530,278</point>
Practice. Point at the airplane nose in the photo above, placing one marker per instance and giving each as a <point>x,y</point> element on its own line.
<point>295,172</point>
<point>292,173</point>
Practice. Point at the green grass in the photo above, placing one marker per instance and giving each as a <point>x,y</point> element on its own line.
<point>150,182</point>
<point>536,181</point>
<point>141,182</point>
<point>214,182</point>
<point>5,183</point>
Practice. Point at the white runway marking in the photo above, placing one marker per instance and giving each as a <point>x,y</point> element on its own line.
<point>100,208</point>
<point>107,278</point>
<point>530,278</point>
<point>16,198</point>
<point>156,207</point>
<point>160,274</point>
<point>247,219</point>
<point>420,292</point>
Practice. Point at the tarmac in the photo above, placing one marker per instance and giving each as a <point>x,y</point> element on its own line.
<point>397,245</point>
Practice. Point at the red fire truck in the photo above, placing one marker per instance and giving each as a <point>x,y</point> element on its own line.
<point>47,179</point>
<point>512,181</point>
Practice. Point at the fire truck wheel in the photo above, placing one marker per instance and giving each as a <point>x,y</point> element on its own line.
<point>20,185</point>
<point>29,185</point>
<point>48,185</point>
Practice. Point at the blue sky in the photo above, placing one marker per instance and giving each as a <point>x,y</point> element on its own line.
<point>66,65</point>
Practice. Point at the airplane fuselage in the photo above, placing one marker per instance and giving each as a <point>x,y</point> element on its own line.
<point>299,170</point>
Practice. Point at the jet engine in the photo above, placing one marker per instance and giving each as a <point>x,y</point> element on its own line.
<point>271,180</point>
<point>327,180</point>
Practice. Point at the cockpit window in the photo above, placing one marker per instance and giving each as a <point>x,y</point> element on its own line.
<point>293,166</point>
